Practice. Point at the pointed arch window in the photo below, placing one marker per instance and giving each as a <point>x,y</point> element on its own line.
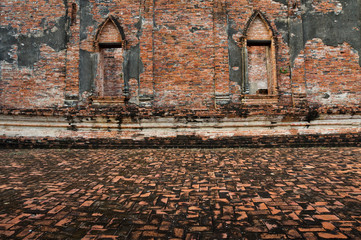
<point>258,58</point>
<point>109,42</point>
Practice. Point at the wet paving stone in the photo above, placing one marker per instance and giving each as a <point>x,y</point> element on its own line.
<point>285,193</point>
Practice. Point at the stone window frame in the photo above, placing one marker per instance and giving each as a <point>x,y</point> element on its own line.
<point>99,96</point>
<point>272,95</point>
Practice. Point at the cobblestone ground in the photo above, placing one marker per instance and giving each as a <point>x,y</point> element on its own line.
<point>312,193</point>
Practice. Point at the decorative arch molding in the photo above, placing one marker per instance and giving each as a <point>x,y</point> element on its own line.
<point>112,20</point>
<point>259,14</point>
<point>258,49</point>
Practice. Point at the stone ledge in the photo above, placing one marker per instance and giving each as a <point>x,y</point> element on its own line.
<point>108,101</point>
<point>51,126</point>
<point>259,99</point>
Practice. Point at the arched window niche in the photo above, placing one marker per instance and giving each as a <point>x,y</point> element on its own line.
<point>110,86</point>
<point>259,78</point>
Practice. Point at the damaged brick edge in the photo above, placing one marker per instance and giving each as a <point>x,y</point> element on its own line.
<point>279,141</point>
<point>301,113</point>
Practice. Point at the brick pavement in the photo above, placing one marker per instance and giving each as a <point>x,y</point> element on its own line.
<point>293,193</point>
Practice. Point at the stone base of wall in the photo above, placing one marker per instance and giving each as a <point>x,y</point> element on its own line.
<point>97,132</point>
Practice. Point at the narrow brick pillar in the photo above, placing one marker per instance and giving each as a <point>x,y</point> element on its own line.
<point>146,81</point>
<point>221,65</point>
<point>297,63</point>
<point>72,54</point>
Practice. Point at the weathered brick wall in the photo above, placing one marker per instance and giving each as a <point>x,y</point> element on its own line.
<point>340,83</point>
<point>33,57</point>
<point>326,6</point>
<point>184,75</point>
<point>37,87</point>
<point>178,54</point>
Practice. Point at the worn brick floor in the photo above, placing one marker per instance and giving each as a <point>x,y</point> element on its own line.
<point>312,193</point>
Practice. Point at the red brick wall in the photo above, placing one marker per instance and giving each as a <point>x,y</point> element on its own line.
<point>184,53</point>
<point>333,75</point>
<point>326,6</point>
<point>41,85</point>
<point>38,87</point>
<point>183,50</point>
<point>31,16</point>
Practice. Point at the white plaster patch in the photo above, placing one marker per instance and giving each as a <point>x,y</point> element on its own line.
<point>338,8</point>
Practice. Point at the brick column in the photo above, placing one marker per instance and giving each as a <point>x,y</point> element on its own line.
<point>72,54</point>
<point>146,81</point>
<point>297,63</point>
<point>221,64</point>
